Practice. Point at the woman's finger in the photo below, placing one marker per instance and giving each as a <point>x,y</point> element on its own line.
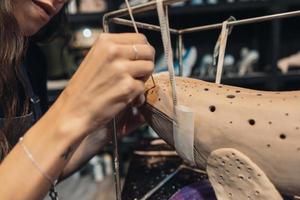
<point>124,38</point>
<point>136,52</point>
<point>138,69</point>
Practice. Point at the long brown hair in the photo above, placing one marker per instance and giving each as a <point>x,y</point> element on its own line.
<point>12,45</point>
<point>14,101</point>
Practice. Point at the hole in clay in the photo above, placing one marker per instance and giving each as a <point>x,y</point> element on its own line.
<point>258,175</point>
<point>249,177</point>
<point>259,94</point>
<point>230,96</point>
<point>238,91</point>
<point>230,194</point>
<point>227,171</point>
<point>249,169</point>
<point>220,86</point>
<point>238,167</point>
<point>257,192</point>
<point>270,122</point>
<point>212,108</point>
<point>241,177</point>
<point>230,122</point>
<point>159,99</point>
<point>268,145</point>
<point>297,128</point>
<point>233,154</point>
<point>206,89</point>
<point>282,136</point>
<point>251,122</point>
<point>286,114</point>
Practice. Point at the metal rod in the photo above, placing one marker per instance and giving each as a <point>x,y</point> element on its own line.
<point>116,166</point>
<point>219,25</point>
<point>138,9</point>
<point>163,182</point>
<point>168,178</point>
<point>146,26</point>
<point>116,161</point>
<point>180,53</point>
<point>242,22</point>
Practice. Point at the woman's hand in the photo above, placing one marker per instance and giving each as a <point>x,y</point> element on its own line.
<point>111,76</point>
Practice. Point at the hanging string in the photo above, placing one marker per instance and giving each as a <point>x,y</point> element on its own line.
<point>220,48</point>
<point>135,28</point>
<point>166,38</point>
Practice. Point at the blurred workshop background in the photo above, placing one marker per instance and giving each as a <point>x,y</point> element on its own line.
<point>263,56</point>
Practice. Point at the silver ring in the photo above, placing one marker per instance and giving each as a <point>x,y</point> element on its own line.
<point>136,53</point>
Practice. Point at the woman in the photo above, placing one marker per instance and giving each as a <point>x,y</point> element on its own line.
<point>109,79</point>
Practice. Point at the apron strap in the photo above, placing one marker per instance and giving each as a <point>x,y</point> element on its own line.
<point>34,99</point>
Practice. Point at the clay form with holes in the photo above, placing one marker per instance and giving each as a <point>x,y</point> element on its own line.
<point>263,126</point>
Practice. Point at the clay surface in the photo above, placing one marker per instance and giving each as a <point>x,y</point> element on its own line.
<point>265,126</point>
<point>234,176</point>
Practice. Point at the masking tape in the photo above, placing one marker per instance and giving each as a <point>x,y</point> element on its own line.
<point>183,133</point>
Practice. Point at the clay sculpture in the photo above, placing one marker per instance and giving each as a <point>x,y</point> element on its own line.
<point>248,141</point>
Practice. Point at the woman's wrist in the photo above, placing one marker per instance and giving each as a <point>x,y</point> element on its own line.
<point>68,125</point>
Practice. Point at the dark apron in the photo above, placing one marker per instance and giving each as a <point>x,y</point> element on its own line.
<point>21,124</point>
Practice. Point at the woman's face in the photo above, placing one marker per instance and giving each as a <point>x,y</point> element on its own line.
<point>32,15</point>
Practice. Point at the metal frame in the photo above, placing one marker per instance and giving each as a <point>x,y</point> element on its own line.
<point>116,18</point>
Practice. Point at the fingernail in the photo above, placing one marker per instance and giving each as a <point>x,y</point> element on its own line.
<point>142,99</point>
<point>135,111</point>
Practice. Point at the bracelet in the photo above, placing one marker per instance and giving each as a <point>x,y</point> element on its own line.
<point>53,194</point>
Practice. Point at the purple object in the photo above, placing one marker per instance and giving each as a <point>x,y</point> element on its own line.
<point>196,191</point>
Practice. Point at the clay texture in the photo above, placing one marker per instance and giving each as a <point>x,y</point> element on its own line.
<point>264,126</point>
<point>234,176</point>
